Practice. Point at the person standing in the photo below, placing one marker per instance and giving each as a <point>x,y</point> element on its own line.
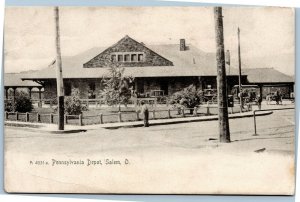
<point>145,112</point>
<point>277,97</point>
<point>259,100</point>
<point>268,99</point>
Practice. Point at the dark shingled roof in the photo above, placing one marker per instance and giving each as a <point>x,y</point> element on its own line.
<point>14,80</point>
<point>266,75</point>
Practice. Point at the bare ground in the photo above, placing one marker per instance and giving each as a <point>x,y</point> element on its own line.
<point>181,158</point>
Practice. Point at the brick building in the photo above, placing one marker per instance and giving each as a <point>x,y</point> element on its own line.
<point>155,67</point>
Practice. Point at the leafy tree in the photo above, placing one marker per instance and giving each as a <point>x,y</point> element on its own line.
<point>188,97</point>
<point>117,87</point>
<point>73,105</point>
<point>23,103</point>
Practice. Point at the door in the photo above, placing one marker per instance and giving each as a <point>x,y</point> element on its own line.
<point>164,86</point>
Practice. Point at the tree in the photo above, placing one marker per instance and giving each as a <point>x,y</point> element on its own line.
<point>117,87</point>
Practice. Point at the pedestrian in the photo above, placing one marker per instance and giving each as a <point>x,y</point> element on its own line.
<point>145,112</point>
<point>268,98</point>
<point>280,98</point>
<point>241,99</point>
<point>277,97</point>
<point>259,100</point>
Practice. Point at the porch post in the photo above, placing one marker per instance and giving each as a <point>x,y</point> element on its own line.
<point>14,94</point>
<point>260,90</point>
<point>6,92</point>
<point>200,79</point>
<point>30,88</point>
<point>40,97</point>
<point>135,85</point>
<point>40,93</point>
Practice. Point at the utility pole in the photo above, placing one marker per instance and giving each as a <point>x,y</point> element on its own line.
<point>240,71</point>
<point>221,78</point>
<point>59,78</point>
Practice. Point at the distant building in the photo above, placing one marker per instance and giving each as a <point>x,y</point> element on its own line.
<point>155,67</point>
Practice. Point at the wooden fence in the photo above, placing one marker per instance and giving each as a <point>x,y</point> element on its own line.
<point>114,117</point>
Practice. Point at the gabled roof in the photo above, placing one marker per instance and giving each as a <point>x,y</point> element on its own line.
<point>191,62</point>
<point>266,75</point>
<point>125,45</point>
<point>14,80</point>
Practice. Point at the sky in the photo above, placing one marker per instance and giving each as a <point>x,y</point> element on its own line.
<point>267,33</point>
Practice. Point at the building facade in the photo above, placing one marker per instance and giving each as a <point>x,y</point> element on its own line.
<point>169,68</point>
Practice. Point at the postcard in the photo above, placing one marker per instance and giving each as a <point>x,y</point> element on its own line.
<point>149,100</point>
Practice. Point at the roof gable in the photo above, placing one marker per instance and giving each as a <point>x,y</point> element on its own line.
<point>136,54</point>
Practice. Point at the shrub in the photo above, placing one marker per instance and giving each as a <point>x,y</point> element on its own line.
<point>23,103</point>
<point>73,105</point>
<point>8,106</point>
<point>189,97</point>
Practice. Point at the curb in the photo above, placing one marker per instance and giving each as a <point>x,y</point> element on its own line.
<point>212,118</point>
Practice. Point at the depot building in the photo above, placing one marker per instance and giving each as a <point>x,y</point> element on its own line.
<point>169,68</point>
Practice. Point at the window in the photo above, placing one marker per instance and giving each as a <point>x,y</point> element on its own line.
<point>113,58</point>
<point>92,88</point>
<point>140,57</point>
<point>126,58</point>
<point>120,58</point>
<point>133,57</point>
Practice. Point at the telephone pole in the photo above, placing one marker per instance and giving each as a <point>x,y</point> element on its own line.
<point>221,78</point>
<point>240,71</point>
<point>59,78</point>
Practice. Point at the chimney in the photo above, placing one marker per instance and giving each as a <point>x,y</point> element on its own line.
<point>182,44</point>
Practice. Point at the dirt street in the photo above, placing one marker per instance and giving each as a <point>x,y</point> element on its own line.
<point>179,158</point>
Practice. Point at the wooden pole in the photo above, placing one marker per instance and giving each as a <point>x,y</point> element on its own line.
<point>240,71</point>
<point>101,118</point>
<point>59,78</point>
<point>221,77</point>
<point>80,119</point>
<point>30,91</point>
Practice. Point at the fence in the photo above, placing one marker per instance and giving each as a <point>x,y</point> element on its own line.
<point>261,110</point>
<point>102,118</point>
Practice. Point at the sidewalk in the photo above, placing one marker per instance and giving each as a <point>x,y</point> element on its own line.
<point>73,128</point>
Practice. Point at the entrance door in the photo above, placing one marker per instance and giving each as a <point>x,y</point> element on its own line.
<point>164,86</point>
<point>140,86</point>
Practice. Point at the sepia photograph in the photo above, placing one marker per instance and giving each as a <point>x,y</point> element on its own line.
<point>149,100</point>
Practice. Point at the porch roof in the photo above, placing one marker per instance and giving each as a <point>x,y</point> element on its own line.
<point>267,75</point>
<point>14,80</point>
